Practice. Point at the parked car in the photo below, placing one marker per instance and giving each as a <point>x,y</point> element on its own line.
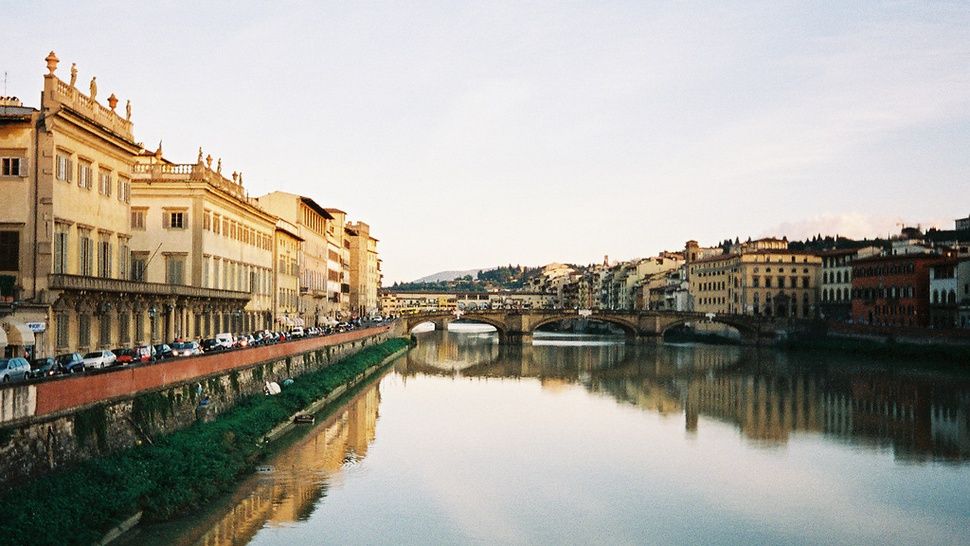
<point>297,332</point>
<point>163,351</point>
<point>14,369</point>
<point>226,340</point>
<point>70,362</point>
<point>145,353</point>
<point>43,367</point>
<point>186,348</point>
<point>211,345</point>
<point>99,359</point>
<point>125,356</point>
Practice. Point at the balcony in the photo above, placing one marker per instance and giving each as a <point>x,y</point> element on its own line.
<point>120,286</point>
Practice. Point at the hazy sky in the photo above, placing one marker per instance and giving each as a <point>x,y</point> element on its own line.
<point>475,134</point>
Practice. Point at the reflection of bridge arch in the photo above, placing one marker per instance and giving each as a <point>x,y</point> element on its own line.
<point>629,328</point>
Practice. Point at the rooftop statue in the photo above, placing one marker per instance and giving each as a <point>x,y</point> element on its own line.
<point>219,166</point>
<point>94,88</point>
<point>199,159</point>
<point>73,74</point>
<point>128,111</point>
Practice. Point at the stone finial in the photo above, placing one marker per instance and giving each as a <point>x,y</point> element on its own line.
<point>240,178</point>
<point>198,160</point>
<point>158,151</point>
<point>235,177</point>
<point>73,74</point>
<point>94,88</point>
<point>52,61</point>
<point>113,102</point>
<point>128,110</point>
<point>208,161</point>
<point>219,166</point>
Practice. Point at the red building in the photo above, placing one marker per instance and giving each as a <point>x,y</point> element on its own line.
<point>893,290</point>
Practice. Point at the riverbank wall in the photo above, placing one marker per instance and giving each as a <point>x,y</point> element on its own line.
<point>51,424</point>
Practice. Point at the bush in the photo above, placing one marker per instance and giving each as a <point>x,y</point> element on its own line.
<point>177,474</point>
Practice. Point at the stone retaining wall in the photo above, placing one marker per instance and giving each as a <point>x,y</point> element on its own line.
<point>71,422</point>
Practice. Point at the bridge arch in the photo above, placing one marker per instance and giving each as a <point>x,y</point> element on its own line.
<point>629,329</point>
<point>746,330</point>
<point>499,325</point>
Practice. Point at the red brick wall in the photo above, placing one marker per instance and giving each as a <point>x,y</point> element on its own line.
<point>76,391</point>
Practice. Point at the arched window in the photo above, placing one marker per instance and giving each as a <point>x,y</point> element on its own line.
<point>951,297</point>
<point>936,296</point>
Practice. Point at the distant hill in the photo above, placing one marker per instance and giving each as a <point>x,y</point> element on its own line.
<point>448,275</point>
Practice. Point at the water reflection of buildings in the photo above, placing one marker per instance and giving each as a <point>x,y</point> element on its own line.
<point>768,395</point>
<point>301,474</point>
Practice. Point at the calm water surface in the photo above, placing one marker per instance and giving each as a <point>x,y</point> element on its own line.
<point>587,440</point>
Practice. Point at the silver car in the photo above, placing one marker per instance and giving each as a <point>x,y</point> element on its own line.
<point>99,359</point>
<point>13,369</point>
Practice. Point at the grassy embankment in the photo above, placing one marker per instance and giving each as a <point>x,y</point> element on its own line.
<point>176,474</point>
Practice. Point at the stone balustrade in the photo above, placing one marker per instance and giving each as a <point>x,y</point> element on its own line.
<point>91,109</point>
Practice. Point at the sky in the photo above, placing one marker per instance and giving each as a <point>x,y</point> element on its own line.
<point>474,134</point>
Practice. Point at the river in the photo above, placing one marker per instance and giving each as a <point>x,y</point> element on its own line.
<point>588,440</point>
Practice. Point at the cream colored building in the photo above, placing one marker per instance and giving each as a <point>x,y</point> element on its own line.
<point>192,226</point>
<point>310,220</point>
<point>66,215</point>
<point>338,264</point>
<point>287,250</point>
<point>769,282</point>
<point>365,271</point>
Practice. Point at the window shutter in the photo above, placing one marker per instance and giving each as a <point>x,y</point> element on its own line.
<point>23,166</point>
<point>165,220</point>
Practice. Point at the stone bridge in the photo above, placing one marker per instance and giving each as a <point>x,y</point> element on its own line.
<point>517,326</point>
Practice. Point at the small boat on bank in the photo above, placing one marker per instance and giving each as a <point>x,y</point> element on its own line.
<point>304,419</point>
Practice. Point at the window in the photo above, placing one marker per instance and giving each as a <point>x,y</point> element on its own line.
<point>207,221</point>
<point>173,220</point>
<point>124,252</point>
<point>64,167</point>
<point>60,247</point>
<point>86,254</point>
<point>124,332</point>
<point>83,330</point>
<point>124,189</point>
<point>104,329</point>
<point>104,257</point>
<point>84,173</point>
<point>175,269</point>
<point>205,271</point>
<point>13,166</point>
<point>62,334</point>
<point>9,250</point>
<point>139,261</point>
<point>138,219</point>
<point>104,182</point>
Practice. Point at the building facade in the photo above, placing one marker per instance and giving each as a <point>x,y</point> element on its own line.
<point>287,251</point>
<point>835,285</point>
<point>67,216</point>
<point>893,290</point>
<point>365,273</point>
<point>192,226</point>
<point>310,220</point>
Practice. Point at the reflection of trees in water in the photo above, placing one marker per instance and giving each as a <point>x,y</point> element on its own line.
<point>767,394</point>
<point>301,473</point>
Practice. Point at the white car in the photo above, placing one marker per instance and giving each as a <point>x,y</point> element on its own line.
<point>99,359</point>
<point>186,348</point>
<point>297,331</point>
<point>226,340</point>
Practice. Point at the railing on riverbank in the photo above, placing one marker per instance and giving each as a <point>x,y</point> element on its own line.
<point>25,402</point>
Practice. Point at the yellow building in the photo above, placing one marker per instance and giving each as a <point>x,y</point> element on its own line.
<point>310,220</point>
<point>66,215</point>
<point>338,264</point>
<point>287,248</point>
<point>192,226</point>
<point>364,270</point>
<point>770,282</point>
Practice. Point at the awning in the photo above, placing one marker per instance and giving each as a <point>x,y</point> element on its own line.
<point>17,333</point>
<point>3,338</point>
<point>298,321</point>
